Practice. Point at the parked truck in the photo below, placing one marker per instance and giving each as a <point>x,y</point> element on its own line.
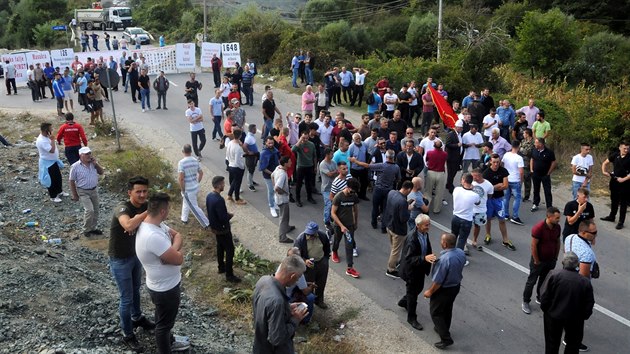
<point>112,18</point>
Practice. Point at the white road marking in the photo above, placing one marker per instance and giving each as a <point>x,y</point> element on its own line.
<point>603,310</point>
<point>172,83</point>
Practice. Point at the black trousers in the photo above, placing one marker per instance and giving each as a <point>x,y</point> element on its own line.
<point>166,308</point>
<point>201,135</point>
<point>619,197</point>
<point>413,289</point>
<point>441,308</point>
<point>349,246</point>
<point>34,90</point>
<point>225,253</point>
<point>537,273</point>
<point>216,75</point>
<point>72,153</point>
<point>319,275</point>
<point>10,83</point>
<point>124,77</point>
<point>357,95</point>
<point>331,95</point>
<point>135,90</point>
<point>546,184</point>
<point>338,94</point>
<point>379,201</point>
<point>42,87</point>
<point>236,179</point>
<point>427,119</point>
<point>55,181</point>
<point>304,175</point>
<point>347,90</point>
<point>573,334</point>
<point>451,170</point>
<point>362,176</point>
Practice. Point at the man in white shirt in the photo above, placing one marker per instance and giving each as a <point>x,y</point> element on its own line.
<point>325,131</point>
<point>359,82</point>
<point>484,189</point>
<point>390,99</point>
<point>189,175</point>
<point>280,181</point>
<point>159,249</point>
<point>582,167</point>
<point>236,167</point>
<point>530,112</point>
<point>49,163</point>
<point>489,122</point>
<point>428,144</point>
<point>472,141</point>
<point>197,131</point>
<point>463,198</point>
<point>513,162</point>
<point>9,77</point>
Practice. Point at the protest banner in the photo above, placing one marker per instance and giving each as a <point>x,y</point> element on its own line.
<point>207,51</point>
<point>185,56</point>
<point>231,53</point>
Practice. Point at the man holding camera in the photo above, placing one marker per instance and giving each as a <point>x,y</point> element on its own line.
<point>83,182</point>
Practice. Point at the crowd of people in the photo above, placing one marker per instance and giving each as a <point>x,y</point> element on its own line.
<point>499,151</point>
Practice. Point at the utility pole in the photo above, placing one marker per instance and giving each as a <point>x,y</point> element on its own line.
<point>439,29</point>
<point>205,21</point>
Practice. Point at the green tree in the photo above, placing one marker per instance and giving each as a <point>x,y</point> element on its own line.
<point>545,42</point>
<point>318,13</point>
<point>601,59</point>
<point>44,36</point>
<point>509,15</point>
<point>25,16</point>
<point>422,35</point>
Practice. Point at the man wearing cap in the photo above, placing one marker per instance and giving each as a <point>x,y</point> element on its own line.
<point>315,250</point>
<point>73,135</point>
<point>219,220</point>
<point>83,182</point>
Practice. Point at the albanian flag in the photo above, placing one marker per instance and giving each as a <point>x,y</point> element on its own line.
<point>444,109</point>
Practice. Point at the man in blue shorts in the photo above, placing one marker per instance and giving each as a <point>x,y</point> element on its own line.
<point>498,176</point>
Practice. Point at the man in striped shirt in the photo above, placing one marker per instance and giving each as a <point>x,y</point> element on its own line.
<point>189,175</point>
<point>83,182</point>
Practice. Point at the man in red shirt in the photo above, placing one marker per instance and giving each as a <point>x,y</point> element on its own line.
<point>545,250</point>
<point>436,176</point>
<point>382,86</point>
<point>234,94</point>
<point>73,135</point>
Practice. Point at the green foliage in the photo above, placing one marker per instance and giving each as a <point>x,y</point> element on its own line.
<point>260,45</point>
<point>22,18</point>
<point>191,24</point>
<point>153,15</point>
<point>318,13</point>
<point>421,35</point>
<point>509,15</point>
<point>252,263</point>
<point>602,58</point>
<point>388,28</point>
<point>44,36</point>
<point>545,41</point>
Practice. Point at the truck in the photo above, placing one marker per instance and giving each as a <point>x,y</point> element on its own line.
<point>112,18</point>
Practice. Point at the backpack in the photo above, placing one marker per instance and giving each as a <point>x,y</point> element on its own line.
<point>370,99</point>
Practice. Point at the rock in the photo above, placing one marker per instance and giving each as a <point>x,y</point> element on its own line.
<point>211,312</point>
<point>39,250</point>
<point>300,339</point>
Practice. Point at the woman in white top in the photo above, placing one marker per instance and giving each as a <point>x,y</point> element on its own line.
<point>49,163</point>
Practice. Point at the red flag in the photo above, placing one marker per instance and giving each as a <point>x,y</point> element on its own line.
<point>449,117</point>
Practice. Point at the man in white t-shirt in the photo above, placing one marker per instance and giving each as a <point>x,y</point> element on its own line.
<point>159,249</point>
<point>484,189</point>
<point>513,162</point>
<point>489,122</point>
<point>390,99</point>
<point>582,166</point>
<point>428,144</point>
<point>197,132</point>
<point>462,221</point>
<point>472,141</point>
<point>325,131</point>
<point>236,167</point>
<point>189,175</point>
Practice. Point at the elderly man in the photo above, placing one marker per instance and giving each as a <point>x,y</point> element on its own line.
<point>275,320</point>
<point>436,175</point>
<point>415,264</point>
<point>315,250</point>
<point>189,174</point>
<point>499,145</point>
<point>410,161</point>
<point>83,182</point>
<point>358,150</point>
<point>567,301</point>
<point>447,277</point>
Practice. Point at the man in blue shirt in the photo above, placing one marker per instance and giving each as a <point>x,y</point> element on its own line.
<point>295,68</point>
<point>219,219</point>
<point>447,276</point>
<point>58,92</point>
<point>49,73</point>
<point>346,84</point>
<point>507,119</point>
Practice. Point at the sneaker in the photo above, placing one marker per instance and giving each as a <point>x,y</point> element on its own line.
<point>467,263</point>
<point>466,251</point>
<point>252,189</point>
<point>352,272</point>
<point>143,322</point>
<point>335,257</point>
<point>179,346</point>
<point>525,307</point>
<point>444,202</point>
<point>537,300</point>
<point>255,183</point>
<point>273,212</point>
<point>487,239</point>
<point>181,338</point>
<point>233,279</point>
<point>619,226</point>
<point>56,200</point>
<point>392,274</point>
<point>63,194</point>
<point>143,110</point>
<point>534,208</point>
<point>516,221</point>
<point>582,347</point>
<point>132,343</point>
<point>96,232</point>
<point>230,199</point>
<point>509,245</point>
<point>355,252</point>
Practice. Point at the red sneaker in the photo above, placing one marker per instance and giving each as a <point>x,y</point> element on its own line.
<point>352,272</point>
<point>335,257</point>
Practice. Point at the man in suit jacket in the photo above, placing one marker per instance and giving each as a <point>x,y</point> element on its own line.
<point>409,161</point>
<point>415,264</point>
<point>454,150</point>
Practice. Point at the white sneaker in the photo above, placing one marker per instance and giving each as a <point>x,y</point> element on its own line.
<point>56,200</point>
<point>273,212</point>
<point>467,263</point>
<point>355,253</point>
<point>143,110</point>
<point>63,194</point>
<point>179,346</point>
<point>181,339</point>
<point>444,202</point>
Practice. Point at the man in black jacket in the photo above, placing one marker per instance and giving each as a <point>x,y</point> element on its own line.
<point>567,301</point>
<point>454,154</point>
<point>395,217</point>
<point>409,161</point>
<point>415,264</point>
<point>315,250</point>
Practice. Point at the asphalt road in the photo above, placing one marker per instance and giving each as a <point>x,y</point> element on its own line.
<point>487,315</point>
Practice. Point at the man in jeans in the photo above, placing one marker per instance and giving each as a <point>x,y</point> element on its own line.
<point>145,90</point>
<point>159,249</point>
<point>123,262</point>
<point>328,171</point>
<point>269,160</point>
<point>463,198</point>
<point>513,162</point>
<point>545,250</point>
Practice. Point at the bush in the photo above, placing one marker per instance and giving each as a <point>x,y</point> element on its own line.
<point>44,35</point>
<point>421,35</point>
<point>602,58</point>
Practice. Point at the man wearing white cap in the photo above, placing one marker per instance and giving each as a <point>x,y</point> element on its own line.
<point>83,182</point>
